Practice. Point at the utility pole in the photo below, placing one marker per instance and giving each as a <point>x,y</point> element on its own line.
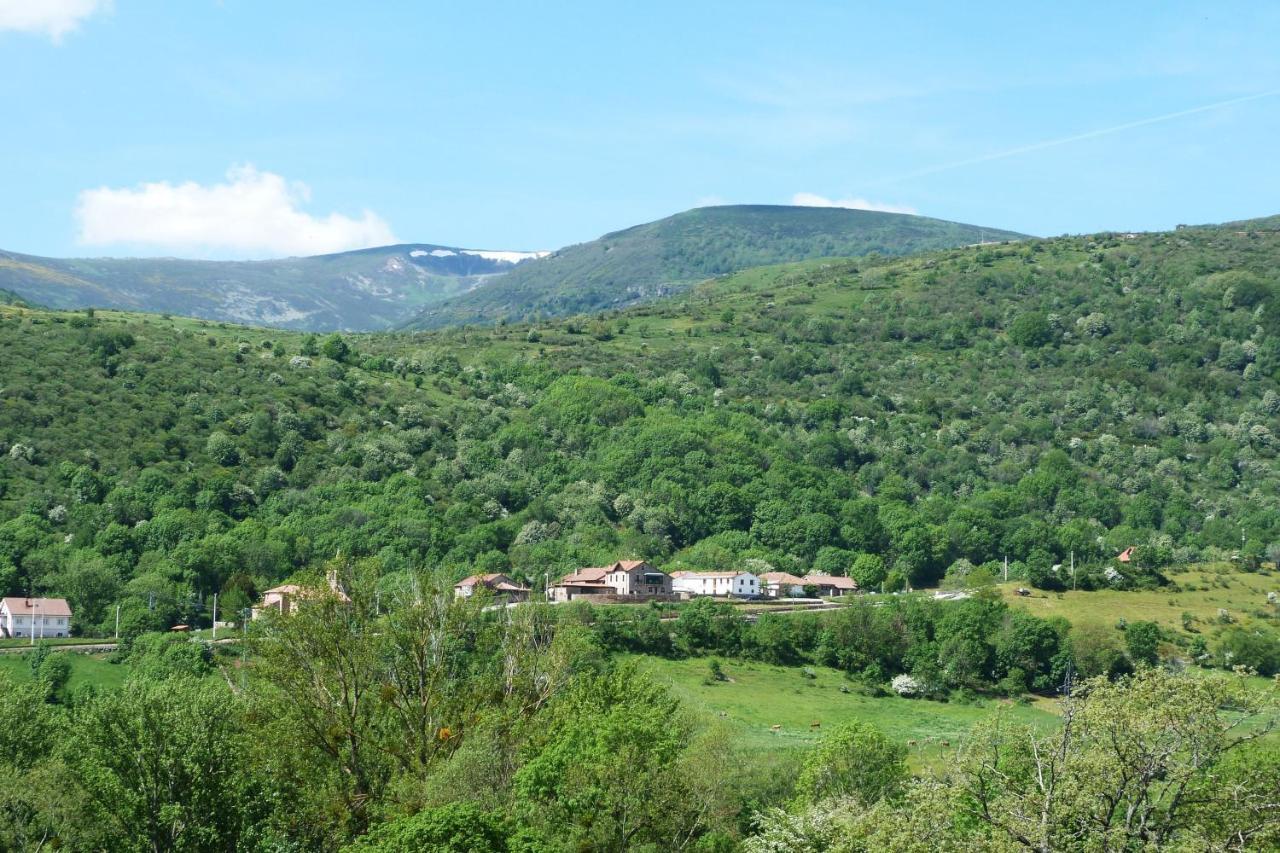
<point>244,645</point>
<point>1006,568</point>
<point>35,609</point>
<point>215,617</point>
<point>1073,570</point>
<point>117,621</point>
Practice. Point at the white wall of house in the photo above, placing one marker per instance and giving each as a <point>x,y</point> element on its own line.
<point>744,584</point>
<point>20,625</point>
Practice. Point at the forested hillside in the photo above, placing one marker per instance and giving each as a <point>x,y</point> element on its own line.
<point>660,258</point>
<point>890,419</point>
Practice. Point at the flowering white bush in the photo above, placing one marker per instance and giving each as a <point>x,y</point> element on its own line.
<point>905,685</point>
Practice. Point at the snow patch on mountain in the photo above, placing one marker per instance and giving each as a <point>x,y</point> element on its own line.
<point>504,257</point>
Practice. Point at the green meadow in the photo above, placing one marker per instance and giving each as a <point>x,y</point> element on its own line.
<point>757,696</point>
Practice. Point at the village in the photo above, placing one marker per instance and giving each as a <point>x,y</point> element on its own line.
<point>630,581</point>
<point>622,582</point>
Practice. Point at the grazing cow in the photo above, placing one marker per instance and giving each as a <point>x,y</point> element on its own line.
<point>816,724</point>
<point>775,728</point>
<point>911,743</point>
<point>946,743</point>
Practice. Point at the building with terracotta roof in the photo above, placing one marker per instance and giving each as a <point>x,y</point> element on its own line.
<point>38,617</point>
<point>781,585</point>
<point>286,598</point>
<point>625,577</point>
<point>831,584</point>
<point>503,588</point>
<point>741,584</point>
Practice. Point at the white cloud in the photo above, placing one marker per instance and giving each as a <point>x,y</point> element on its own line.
<point>54,18</point>
<point>253,214</point>
<point>813,200</point>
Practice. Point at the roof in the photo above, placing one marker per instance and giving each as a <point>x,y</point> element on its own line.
<point>830,580</point>
<point>300,591</point>
<point>495,580</point>
<point>780,577</point>
<point>708,574</point>
<point>472,580</point>
<point>628,565</point>
<point>1126,555</point>
<point>20,606</point>
<point>590,575</point>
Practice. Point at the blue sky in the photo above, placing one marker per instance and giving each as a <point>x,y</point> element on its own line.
<point>244,128</point>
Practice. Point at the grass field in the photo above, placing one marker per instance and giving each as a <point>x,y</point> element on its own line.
<point>85,669</point>
<point>1205,591</point>
<point>759,696</point>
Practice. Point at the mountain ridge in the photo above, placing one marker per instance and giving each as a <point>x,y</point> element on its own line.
<point>360,290</point>
<point>655,259</point>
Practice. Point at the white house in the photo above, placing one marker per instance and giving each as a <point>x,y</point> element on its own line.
<point>743,584</point>
<point>41,617</point>
<point>781,585</point>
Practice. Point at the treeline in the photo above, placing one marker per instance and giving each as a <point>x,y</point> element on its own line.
<point>978,644</point>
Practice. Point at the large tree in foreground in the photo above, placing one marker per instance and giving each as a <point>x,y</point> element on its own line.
<point>1150,762</point>
<point>1156,761</point>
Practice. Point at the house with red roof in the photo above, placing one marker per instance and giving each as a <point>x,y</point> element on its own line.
<point>624,577</point>
<point>831,584</point>
<point>781,585</point>
<point>286,598</point>
<point>503,588</point>
<point>35,617</point>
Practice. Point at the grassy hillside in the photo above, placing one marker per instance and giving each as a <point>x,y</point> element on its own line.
<point>758,696</point>
<point>1200,599</point>
<point>365,289</point>
<point>895,419</point>
<point>664,257</point>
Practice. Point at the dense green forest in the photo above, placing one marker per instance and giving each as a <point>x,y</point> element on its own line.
<point>659,258</point>
<point>890,419</point>
<point>909,422</point>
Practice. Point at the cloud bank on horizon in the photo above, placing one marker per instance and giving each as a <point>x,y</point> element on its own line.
<point>814,200</point>
<point>53,18</point>
<point>254,214</point>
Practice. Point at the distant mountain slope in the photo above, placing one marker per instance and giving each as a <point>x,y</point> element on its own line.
<point>8,297</point>
<point>361,290</point>
<point>1262,223</point>
<point>658,258</point>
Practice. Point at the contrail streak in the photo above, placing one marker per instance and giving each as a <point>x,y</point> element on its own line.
<point>1053,143</point>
